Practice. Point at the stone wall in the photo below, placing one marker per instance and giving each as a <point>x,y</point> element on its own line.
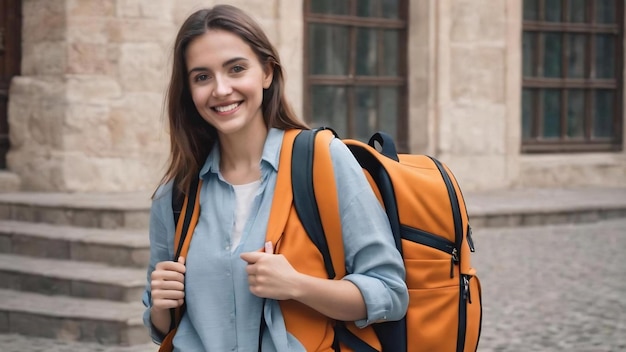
<point>87,112</point>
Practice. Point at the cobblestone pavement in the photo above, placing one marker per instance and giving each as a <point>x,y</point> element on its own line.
<point>553,288</point>
<point>557,288</point>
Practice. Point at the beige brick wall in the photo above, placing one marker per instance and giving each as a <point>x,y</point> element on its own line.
<point>87,112</point>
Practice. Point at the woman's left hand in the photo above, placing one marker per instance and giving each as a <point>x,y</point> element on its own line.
<point>271,275</point>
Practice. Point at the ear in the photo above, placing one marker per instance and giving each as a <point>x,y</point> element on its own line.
<point>268,75</point>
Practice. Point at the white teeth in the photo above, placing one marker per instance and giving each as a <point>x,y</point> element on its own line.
<point>227,107</point>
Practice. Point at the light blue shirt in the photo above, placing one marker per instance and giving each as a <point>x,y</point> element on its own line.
<point>222,314</point>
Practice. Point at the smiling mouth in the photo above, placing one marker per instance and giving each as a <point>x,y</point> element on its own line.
<point>227,108</point>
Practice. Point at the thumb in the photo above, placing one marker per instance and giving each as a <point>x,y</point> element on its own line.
<point>251,257</point>
<point>181,260</point>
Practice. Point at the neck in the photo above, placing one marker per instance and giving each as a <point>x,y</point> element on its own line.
<point>240,154</point>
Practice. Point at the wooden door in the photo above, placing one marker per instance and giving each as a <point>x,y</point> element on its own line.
<point>10,56</point>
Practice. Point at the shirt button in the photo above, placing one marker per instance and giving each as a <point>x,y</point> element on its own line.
<point>227,248</point>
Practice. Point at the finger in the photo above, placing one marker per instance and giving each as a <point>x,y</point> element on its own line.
<point>269,247</point>
<point>168,295</point>
<point>167,275</point>
<point>172,266</point>
<point>252,257</point>
<point>181,260</point>
<point>167,303</point>
<point>167,285</point>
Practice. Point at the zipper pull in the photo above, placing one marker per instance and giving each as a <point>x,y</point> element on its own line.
<point>466,290</point>
<point>454,259</point>
<point>470,241</point>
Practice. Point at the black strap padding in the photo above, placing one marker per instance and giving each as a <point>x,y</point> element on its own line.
<point>304,194</point>
<point>177,204</point>
<point>191,202</point>
<point>386,143</point>
<point>345,336</point>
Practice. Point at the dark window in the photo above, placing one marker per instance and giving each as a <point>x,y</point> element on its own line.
<point>572,75</point>
<point>355,67</point>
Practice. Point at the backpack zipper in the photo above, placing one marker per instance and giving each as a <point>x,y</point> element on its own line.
<point>433,241</point>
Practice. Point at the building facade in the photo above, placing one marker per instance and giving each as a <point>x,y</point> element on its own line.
<point>508,93</point>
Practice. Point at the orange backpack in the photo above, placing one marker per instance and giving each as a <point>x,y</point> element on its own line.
<point>431,230</point>
<point>429,223</point>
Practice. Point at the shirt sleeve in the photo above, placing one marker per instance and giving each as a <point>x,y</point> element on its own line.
<point>161,233</point>
<point>373,263</point>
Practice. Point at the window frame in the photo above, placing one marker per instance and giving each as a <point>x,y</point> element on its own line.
<point>351,81</point>
<point>590,28</point>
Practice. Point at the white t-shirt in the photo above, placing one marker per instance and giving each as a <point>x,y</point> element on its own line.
<point>244,195</point>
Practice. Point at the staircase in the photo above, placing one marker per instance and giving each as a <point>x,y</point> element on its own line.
<point>72,266</point>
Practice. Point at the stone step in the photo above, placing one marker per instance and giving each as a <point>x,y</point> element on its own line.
<point>71,278</point>
<point>19,343</point>
<point>72,319</point>
<point>110,211</point>
<point>531,207</point>
<point>121,247</point>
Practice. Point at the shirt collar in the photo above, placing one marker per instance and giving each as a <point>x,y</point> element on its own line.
<point>271,153</point>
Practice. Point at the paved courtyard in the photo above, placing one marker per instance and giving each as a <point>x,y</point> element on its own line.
<point>555,288</point>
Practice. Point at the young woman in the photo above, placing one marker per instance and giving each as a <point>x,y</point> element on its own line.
<point>227,117</point>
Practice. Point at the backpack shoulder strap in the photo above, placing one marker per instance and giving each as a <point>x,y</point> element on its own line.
<point>187,219</point>
<point>313,182</point>
<point>186,211</point>
<point>283,195</point>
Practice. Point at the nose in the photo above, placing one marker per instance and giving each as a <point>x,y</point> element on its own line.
<point>222,87</point>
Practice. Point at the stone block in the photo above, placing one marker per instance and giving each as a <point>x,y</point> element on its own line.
<point>91,8</point>
<point>105,333</point>
<point>142,67</point>
<point>92,89</point>
<point>34,325</point>
<point>112,255</point>
<point>91,30</point>
<point>58,216</point>
<point>44,58</point>
<point>98,291</point>
<point>111,220</point>
<point>40,247</point>
<point>5,211</point>
<point>9,281</point>
<point>88,58</point>
<point>478,21</point>
<point>86,217</point>
<point>5,243</point>
<point>154,9</point>
<point>44,20</point>
<point>44,285</point>
<point>504,220</point>
<point>136,219</point>
<point>4,322</point>
<point>70,330</point>
<point>124,30</point>
<point>23,213</point>
<point>140,257</point>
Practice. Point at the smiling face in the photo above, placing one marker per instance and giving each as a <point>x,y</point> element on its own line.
<point>226,81</point>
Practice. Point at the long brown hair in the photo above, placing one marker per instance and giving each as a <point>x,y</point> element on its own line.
<point>191,136</point>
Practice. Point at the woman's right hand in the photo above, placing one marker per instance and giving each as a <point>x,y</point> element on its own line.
<point>167,284</point>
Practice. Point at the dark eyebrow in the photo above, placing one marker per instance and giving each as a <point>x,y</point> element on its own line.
<point>227,63</point>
